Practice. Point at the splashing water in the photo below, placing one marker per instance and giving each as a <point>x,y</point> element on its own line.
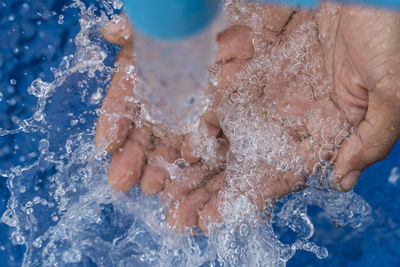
<point>62,211</point>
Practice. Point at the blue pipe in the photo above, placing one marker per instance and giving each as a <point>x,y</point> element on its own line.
<point>171,19</point>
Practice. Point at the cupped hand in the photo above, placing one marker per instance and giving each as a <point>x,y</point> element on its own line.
<point>362,50</point>
<point>151,157</point>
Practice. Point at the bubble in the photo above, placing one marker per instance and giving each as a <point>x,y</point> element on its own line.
<point>244,230</point>
<point>12,101</point>
<point>38,116</point>
<point>17,239</point>
<point>37,243</point>
<point>25,6</point>
<point>43,145</point>
<point>322,253</point>
<point>29,211</point>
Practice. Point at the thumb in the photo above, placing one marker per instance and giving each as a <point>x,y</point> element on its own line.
<point>370,143</point>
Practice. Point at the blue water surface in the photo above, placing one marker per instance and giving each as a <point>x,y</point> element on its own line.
<point>35,35</point>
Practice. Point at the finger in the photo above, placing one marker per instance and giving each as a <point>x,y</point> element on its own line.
<point>153,178</point>
<point>185,212</point>
<point>118,108</point>
<point>118,30</point>
<point>210,123</point>
<point>214,185</point>
<point>209,215</point>
<point>168,149</point>
<point>235,43</point>
<point>127,163</point>
<point>371,142</point>
<point>190,178</point>
<point>210,212</point>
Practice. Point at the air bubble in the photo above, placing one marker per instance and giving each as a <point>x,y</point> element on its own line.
<point>17,238</point>
<point>322,253</point>
<point>244,230</point>
<point>38,116</point>
<point>43,145</point>
<point>37,243</point>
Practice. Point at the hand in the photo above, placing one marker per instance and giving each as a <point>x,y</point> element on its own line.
<point>141,154</point>
<point>362,46</point>
<point>316,78</point>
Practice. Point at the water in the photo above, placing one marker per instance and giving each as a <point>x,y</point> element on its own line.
<point>56,207</point>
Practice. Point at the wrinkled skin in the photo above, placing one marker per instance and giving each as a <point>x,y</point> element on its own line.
<point>355,49</point>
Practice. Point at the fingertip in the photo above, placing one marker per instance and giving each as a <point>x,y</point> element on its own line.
<point>111,133</point>
<point>187,152</point>
<point>118,30</point>
<point>215,184</point>
<point>126,166</point>
<point>374,138</point>
<point>211,118</point>
<point>185,213</point>
<point>179,187</point>
<point>235,42</point>
<point>153,178</point>
<point>349,181</point>
<point>209,216</point>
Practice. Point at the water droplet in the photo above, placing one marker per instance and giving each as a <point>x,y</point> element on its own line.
<point>54,218</point>
<point>38,116</point>
<point>95,98</point>
<point>37,243</point>
<point>29,211</point>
